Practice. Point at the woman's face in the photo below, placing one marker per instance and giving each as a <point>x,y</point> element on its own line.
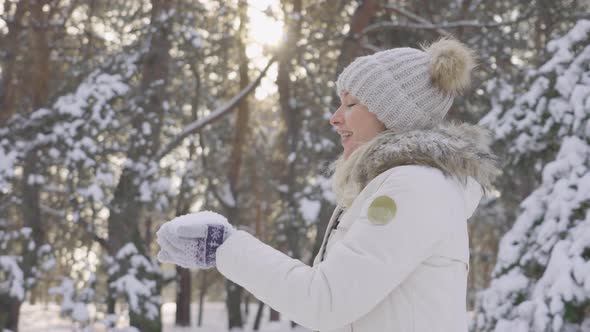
<point>354,123</point>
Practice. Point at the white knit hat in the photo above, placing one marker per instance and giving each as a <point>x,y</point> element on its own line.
<point>408,88</point>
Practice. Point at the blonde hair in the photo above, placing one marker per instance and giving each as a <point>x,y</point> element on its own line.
<point>345,171</point>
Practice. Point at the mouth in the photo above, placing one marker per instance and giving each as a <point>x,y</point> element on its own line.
<point>345,136</point>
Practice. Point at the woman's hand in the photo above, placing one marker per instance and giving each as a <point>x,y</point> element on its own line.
<point>191,240</point>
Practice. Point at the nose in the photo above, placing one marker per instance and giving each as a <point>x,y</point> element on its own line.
<point>336,119</point>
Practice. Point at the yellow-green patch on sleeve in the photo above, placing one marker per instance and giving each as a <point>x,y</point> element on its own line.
<point>382,210</point>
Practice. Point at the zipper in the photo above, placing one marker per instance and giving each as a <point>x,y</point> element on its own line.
<point>334,226</point>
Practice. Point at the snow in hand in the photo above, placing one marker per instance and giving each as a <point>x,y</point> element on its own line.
<point>184,225</point>
<point>191,240</point>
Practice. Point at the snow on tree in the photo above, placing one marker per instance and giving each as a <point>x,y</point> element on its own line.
<point>81,124</point>
<point>134,276</point>
<point>74,303</point>
<point>76,136</point>
<point>14,280</point>
<point>541,281</point>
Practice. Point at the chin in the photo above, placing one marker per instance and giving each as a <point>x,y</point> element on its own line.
<point>347,153</point>
<point>350,150</point>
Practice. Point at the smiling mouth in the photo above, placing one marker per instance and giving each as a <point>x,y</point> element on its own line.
<point>345,135</point>
<point>345,139</point>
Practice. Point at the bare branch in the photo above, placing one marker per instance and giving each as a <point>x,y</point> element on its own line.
<point>371,47</point>
<point>447,25</point>
<point>415,18</point>
<point>199,124</point>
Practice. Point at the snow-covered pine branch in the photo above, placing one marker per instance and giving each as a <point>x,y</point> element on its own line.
<point>541,282</point>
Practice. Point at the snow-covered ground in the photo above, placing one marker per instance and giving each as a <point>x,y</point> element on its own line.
<point>41,318</point>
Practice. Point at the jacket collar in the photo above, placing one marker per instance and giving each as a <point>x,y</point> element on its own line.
<point>458,150</point>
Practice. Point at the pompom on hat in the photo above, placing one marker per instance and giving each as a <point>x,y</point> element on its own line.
<point>408,88</point>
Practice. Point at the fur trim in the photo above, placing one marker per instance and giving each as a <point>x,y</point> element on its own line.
<point>458,150</point>
<point>450,65</point>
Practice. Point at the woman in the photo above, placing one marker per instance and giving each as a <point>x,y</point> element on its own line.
<point>396,253</point>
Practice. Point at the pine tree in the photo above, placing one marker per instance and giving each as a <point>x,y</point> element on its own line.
<point>541,281</point>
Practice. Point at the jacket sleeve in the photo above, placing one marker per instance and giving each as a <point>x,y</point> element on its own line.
<point>360,270</point>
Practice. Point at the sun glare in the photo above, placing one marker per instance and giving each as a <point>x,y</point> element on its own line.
<point>264,29</point>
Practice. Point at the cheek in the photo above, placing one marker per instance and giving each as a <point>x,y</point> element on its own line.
<point>364,125</point>
<point>378,126</point>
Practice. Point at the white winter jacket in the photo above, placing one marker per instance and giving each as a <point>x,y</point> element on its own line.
<point>407,275</point>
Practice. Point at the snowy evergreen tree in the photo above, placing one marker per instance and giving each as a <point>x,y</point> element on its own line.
<point>75,301</point>
<point>135,278</point>
<point>541,281</point>
<point>16,276</point>
<point>117,116</point>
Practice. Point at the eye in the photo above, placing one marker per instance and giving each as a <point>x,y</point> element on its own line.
<point>351,105</point>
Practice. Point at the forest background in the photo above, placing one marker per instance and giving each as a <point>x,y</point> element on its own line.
<point>116,116</point>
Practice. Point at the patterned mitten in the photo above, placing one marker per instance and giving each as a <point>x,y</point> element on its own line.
<point>191,240</point>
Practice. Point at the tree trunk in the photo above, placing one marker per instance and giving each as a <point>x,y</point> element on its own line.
<point>351,48</point>
<point>124,218</point>
<point>125,214</point>
<point>41,67</point>
<point>202,293</point>
<point>243,114</point>
<point>274,315</point>
<point>234,291</point>
<point>464,12</point>
<point>234,304</point>
<point>290,110</point>
<point>31,207</point>
<point>258,318</point>
<point>9,312</point>
<point>183,297</point>
<point>291,113</point>
<point>184,289</point>
<point>8,87</point>
<point>247,305</point>
<point>111,302</point>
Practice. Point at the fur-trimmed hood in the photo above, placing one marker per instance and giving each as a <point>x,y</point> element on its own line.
<point>458,150</point>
